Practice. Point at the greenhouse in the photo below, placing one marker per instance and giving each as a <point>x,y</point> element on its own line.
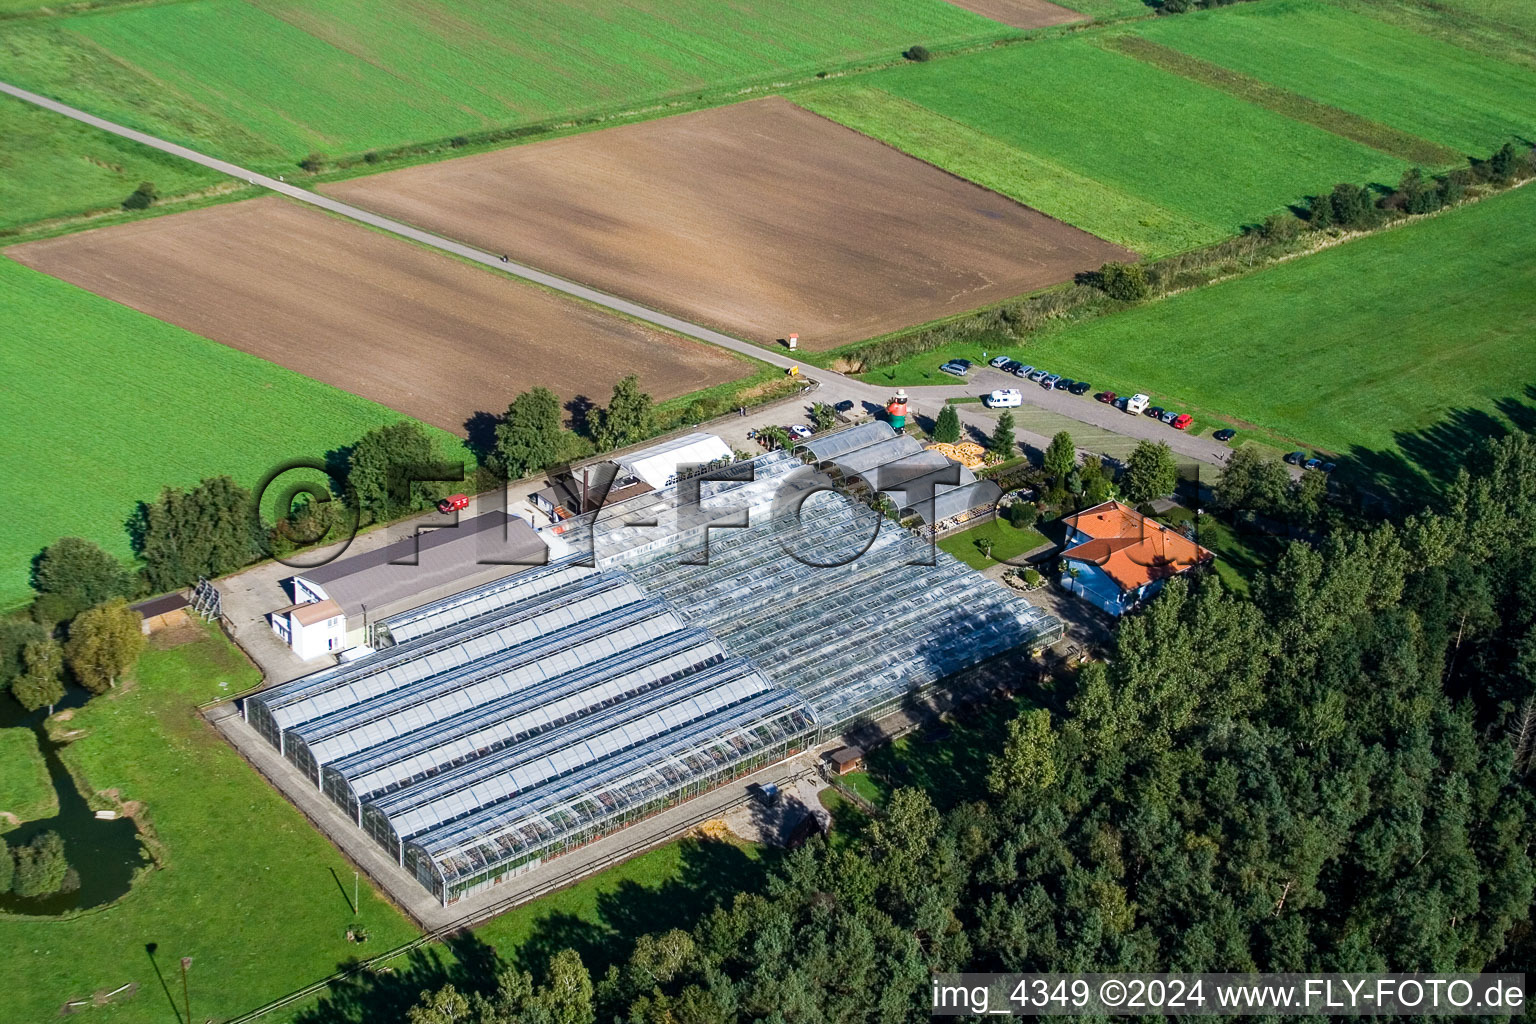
<point>719,626</point>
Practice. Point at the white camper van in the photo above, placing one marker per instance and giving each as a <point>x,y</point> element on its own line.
<point>1005,398</point>
<point>1137,404</point>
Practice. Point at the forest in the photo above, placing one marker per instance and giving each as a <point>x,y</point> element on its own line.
<point>1330,774</point>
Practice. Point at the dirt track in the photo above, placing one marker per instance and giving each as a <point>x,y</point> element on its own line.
<point>1021,13</point>
<point>409,328</point>
<point>758,219</point>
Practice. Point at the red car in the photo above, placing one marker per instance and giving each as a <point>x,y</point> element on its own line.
<point>1107,397</point>
<point>1181,421</point>
<point>453,503</point>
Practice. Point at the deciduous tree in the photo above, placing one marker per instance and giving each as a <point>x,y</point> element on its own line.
<point>1150,471</point>
<point>40,685</point>
<point>628,419</point>
<point>104,642</point>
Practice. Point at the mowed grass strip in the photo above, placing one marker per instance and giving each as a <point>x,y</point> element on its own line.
<point>248,888</point>
<point>1293,105</point>
<point>1379,345</point>
<point>1412,83</point>
<point>1179,145</point>
<point>1112,214</point>
<point>26,791</point>
<point>101,406</point>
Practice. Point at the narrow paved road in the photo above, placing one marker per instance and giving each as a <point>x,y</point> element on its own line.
<point>925,400</point>
<point>493,261</point>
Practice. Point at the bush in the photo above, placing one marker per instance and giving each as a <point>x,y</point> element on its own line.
<point>1031,577</point>
<point>918,54</point>
<point>1280,227</point>
<point>41,869</point>
<point>370,157</point>
<point>142,197</point>
<point>458,142</point>
<point>1022,515</point>
<point>313,162</point>
<point>1124,281</point>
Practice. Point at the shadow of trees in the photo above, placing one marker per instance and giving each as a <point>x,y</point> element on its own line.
<point>1424,462</point>
<point>710,874</point>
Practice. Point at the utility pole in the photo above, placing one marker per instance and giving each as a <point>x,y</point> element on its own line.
<point>186,993</point>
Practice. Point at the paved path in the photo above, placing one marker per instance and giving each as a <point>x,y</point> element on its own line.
<point>925,400</point>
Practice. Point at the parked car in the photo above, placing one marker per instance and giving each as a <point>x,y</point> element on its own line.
<point>998,362</point>
<point>1328,467</point>
<point>843,406</point>
<point>1107,397</point>
<point>956,367</point>
<point>1011,365</point>
<point>1225,434</point>
<point>1156,412</point>
<point>1049,381</point>
<point>799,431</point>
<point>1080,388</point>
<point>1004,398</point>
<point>1182,421</point>
<point>1023,370</point>
<point>453,503</point>
<point>1123,404</point>
<point>1038,375</point>
<point>1168,416</point>
<point>1313,464</point>
<point>1296,458</point>
<point>1064,383</point>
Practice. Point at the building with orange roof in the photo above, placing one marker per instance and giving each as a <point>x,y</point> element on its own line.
<point>1116,557</point>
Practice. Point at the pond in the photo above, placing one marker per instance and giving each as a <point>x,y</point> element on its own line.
<point>105,853</point>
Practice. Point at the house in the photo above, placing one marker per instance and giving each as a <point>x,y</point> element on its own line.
<point>846,759</point>
<point>312,629</point>
<point>415,569</point>
<point>1115,557</point>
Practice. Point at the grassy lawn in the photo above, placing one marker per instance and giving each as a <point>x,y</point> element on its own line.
<point>137,404</point>
<point>1410,82</point>
<point>1239,554</point>
<point>264,83</point>
<point>26,792</point>
<point>246,886</point>
<point>1208,162</point>
<point>1402,343</point>
<point>1007,543</point>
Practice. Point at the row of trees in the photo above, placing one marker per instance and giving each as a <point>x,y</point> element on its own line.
<point>1358,209</point>
<point>96,648</point>
<point>1332,774</point>
<point>532,435</point>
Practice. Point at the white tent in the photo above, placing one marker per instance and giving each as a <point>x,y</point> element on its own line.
<point>657,465</point>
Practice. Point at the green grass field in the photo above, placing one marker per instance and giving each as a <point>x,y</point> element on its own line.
<point>1505,29</point>
<point>52,166</point>
<point>1007,542</point>
<point>26,792</point>
<point>1050,102</point>
<point>104,406</point>
<point>1400,342</point>
<point>247,888</point>
<point>265,83</point>
<point>1410,82</point>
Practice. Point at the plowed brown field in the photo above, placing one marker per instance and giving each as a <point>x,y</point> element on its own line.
<point>757,219</point>
<point>413,329</point>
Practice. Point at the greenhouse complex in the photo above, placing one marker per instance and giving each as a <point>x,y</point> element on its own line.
<point>683,638</point>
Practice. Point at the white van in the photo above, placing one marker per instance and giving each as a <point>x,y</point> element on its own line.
<point>1006,398</point>
<point>1137,404</point>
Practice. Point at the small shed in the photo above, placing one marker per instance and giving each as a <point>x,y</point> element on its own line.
<point>163,612</point>
<point>848,759</point>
